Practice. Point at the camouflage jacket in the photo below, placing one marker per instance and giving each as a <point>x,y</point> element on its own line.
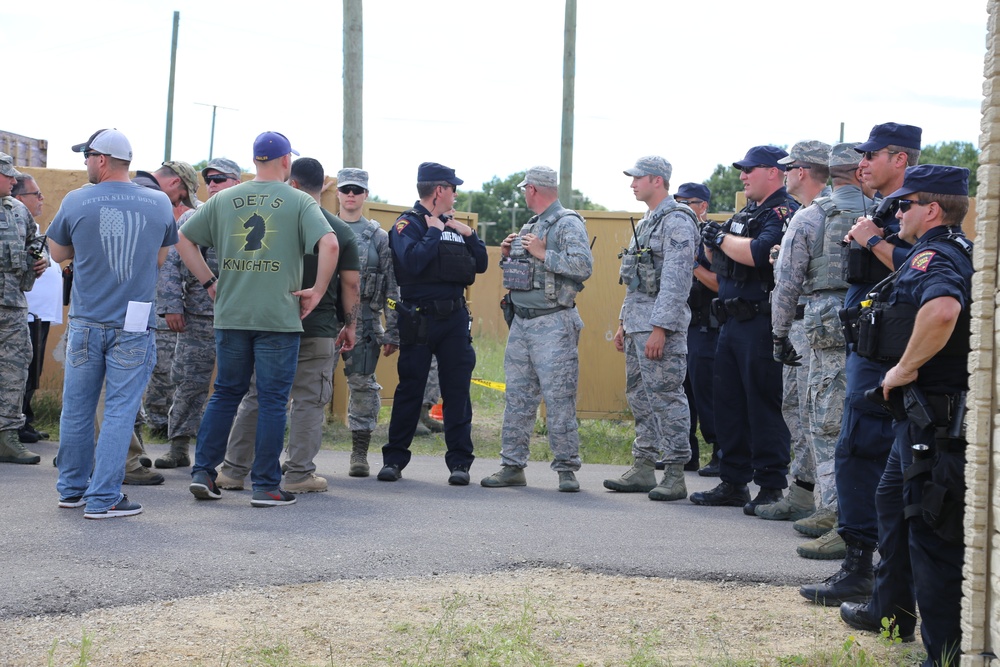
<point>378,282</point>
<point>177,290</point>
<point>18,233</point>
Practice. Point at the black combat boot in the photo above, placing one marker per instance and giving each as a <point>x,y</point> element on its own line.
<point>853,582</point>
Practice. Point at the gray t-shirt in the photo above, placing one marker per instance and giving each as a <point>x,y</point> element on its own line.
<point>116,230</point>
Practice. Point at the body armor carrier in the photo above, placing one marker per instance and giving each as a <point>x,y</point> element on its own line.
<point>454,262</point>
<point>826,266</point>
<point>523,272</point>
<point>640,270</point>
<point>746,224</point>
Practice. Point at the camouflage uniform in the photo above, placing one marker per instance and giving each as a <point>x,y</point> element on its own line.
<point>378,282</point>
<point>160,389</point>
<point>193,357</point>
<point>541,360</point>
<point>18,231</point>
<point>659,280</point>
<point>809,264</point>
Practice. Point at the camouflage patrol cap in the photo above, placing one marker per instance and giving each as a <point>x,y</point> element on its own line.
<point>223,165</point>
<point>651,165</point>
<point>844,155</point>
<point>811,152</point>
<point>7,166</point>
<point>188,176</point>
<point>352,176</point>
<point>541,177</point>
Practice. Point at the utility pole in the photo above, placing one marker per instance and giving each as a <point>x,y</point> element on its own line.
<point>211,140</point>
<point>569,84</point>
<point>353,81</point>
<point>170,89</point>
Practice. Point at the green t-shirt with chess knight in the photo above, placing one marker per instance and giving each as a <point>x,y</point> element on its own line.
<point>260,230</point>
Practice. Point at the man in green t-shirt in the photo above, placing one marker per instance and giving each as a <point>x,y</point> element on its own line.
<point>312,388</point>
<point>260,230</point>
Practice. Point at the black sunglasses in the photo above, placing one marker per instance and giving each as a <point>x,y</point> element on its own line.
<point>748,170</point>
<point>216,178</point>
<point>352,190</point>
<point>905,204</point>
<point>868,155</point>
<point>89,154</point>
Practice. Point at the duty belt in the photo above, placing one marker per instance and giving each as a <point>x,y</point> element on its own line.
<point>739,309</point>
<point>532,313</point>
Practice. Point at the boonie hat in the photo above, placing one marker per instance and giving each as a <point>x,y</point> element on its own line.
<point>541,177</point>
<point>271,145</point>
<point>766,156</point>
<point>651,165</point>
<point>935,179</point>
<point>895,134</point>
<point>694,191</point>
<point>107,142</point>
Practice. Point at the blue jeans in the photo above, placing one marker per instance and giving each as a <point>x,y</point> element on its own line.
<point>239,354</point>
<point>98,354</point>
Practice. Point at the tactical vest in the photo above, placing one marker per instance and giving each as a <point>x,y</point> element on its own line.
<point>373,282</point>
<point>860,265</point>
<point>747,224</point>
<point>526,272</point>
<point>454,262</point>
<point>639,269</point>
<point>884,330</point>
<point>826,266</point>
<point>16,274</point>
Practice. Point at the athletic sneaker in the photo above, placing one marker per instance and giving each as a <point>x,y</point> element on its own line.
<point>72,502</point>
<point>272,498</point>
<point>123,507</point>
<point>203,488</point>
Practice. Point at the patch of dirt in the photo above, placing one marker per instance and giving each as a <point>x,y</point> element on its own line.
<point>534,616</point>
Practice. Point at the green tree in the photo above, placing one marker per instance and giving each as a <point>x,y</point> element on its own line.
<point>724,183</point>
<point>502,209</point>
<point>954,154</point>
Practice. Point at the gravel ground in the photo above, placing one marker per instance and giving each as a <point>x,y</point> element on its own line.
<point>530,616</point>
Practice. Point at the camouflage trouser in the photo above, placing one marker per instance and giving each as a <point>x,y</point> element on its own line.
<point>542,362</point>
<point>432,390</point>
<point>160,390</point>
<point>655,392</point>
<point>364,403</point>
<point>191,375</point>
<point>15,357</point>
<point>794,406</point>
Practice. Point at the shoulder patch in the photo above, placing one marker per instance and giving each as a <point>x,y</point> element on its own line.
<point>921,260</point>
<point>401,225</point>
<point>782,212</point>
<point>679,244</point>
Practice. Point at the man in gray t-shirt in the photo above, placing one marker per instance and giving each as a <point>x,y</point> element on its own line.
<point>117,234</point>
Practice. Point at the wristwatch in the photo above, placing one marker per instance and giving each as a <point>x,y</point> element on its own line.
<point>873,241</point>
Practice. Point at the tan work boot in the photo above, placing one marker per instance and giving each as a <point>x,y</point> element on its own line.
<point>830,546</point>
<point>311,484</point>
<point>13,451</point>
<point>178,456</point>
<point>672,487</point>
<point>798,504</point>
<point>506,476</point>
<point>640,478</point>
<point>824,520</point>
<point>360,441</point>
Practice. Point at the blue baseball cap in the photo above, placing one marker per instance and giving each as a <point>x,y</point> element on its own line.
<point>935,179</point>
<point>894,134</point>
<point>694,191</point>
<point>270,146</point>
<point>428,172</point>
<point>767,156</point>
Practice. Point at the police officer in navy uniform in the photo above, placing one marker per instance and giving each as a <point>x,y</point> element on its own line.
<point>753,437</point>
<point>930,299</point>
<point>435,258</point>
<point>703,335</point>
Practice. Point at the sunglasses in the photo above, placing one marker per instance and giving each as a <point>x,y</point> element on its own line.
<point>869,155</point>
<point>352,190</point>
<point>749,170</point>
<point>688,201</point>
<point>216,178</point>
<point>905,204</point>
<point>789,167</point>
<point>89,154</point>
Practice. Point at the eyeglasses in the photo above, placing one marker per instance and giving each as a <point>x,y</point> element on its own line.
<point>905,204</point>
<point>217,178</point>
<point>352,190</point>
<point>36,193</point>
<point>89,154</point>
<point>869,155</point>
<point>748,170</point>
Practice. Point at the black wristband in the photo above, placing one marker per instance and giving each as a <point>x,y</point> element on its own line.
<point>211,281</point>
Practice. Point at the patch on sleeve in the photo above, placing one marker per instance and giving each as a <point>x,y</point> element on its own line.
<point>921,260</point>
<point>401,225</point>
<point>782,212</point>
<point>679,244</point>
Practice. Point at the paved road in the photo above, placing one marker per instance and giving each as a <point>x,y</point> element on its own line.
<point>56,561</point>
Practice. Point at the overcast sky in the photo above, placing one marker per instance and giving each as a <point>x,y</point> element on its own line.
<point>478,85</point>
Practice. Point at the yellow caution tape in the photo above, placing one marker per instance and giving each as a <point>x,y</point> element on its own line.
<point>489,384</point>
